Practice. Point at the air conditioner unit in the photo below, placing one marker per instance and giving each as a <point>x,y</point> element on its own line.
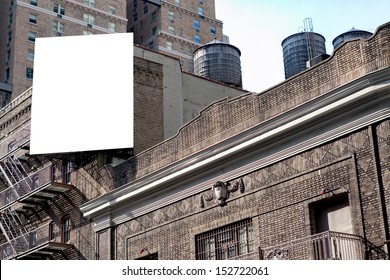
<point>59,15</point>
<point>89,25</point>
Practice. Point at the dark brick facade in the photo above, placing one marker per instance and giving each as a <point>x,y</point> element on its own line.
<point>281,182</point>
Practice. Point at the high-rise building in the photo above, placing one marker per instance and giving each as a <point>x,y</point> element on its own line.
<point>26,20</point>
<point>174,27</point>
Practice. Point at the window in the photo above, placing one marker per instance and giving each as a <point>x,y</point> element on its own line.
<point>12,146</point>
<point>33,238</point>
<point>53,173</point>
<point>90,3</point>
<point>112,10</point>
<point>67,171</point>
<point>145,9</point>
<point>135,17</point>
<point>200,1</point>
<point>197,25</point>
<point>7,251</point>
<point>30,55</point>
<point>90,19</point>
<point>197,39</point>
<point>171,16</point>
<point>34,2</point>
<point>7,74</point>
<point>177,3</point>
<point>111,26</point>
<point>151,45</point>
<point>9,197</point>
<point>10,19</point>
<point>225,242</point>
<point>169,45</point>
<point>58,26</point>
<point>200,11</point>
<point>213,31</point>
<point>59,9</point>
<point>29,73</point>
<point>8,56</point>
<point>171,29</point>
<point>65,229</point>
<point>190,66</point>
<point>9,37</point>
<point>154,16</point>
<point>35,182</point>
<point>154,31</point>
<point>52,234</point>
<point>87,32</point>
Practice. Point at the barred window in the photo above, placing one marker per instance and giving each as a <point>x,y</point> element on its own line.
<point>225,242</point>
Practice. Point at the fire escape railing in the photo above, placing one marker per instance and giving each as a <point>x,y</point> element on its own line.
<point>27,185</point>
<point>327,245</point>
<point>28,241</point>
<point>14,141</point>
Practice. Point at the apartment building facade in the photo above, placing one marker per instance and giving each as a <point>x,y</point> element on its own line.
<point>300,171</point>
<point>174,27</point>
<point>41,196</point>
<point>26,20</point>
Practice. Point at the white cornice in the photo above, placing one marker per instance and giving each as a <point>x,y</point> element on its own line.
<point>334,105</point>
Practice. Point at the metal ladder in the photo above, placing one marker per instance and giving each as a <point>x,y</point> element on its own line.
<point>16,175</point>
<point>14,230</point>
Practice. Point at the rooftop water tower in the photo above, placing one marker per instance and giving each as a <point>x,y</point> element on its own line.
<point>220,62</point>
<point>350,35</point>
<point>300,48</point>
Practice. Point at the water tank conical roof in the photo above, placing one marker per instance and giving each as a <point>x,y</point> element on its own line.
<point>220,62</point>
<point>350,35</point>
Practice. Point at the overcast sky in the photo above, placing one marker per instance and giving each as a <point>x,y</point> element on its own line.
<point>258,27</point>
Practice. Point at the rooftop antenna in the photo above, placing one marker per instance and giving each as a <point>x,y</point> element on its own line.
<point>308,29</point>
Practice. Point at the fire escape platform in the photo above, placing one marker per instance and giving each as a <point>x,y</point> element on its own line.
<point>44,250</point>
<point>44,193</point>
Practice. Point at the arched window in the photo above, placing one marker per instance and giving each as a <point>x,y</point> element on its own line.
<point>66,228</point>
<point>11,146</point>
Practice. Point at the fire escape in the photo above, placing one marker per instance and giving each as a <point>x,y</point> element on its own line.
<point>27,185</point>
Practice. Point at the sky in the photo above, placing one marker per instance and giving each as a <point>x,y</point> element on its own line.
<point>258,27</point>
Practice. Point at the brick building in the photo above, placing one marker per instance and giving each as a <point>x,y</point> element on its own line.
<point>300,171</point>
<point>165,98</point>
<point>174,27</point>
<point>25,20</point>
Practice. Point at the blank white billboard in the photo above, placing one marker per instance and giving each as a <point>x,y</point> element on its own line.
<point>82,96</point>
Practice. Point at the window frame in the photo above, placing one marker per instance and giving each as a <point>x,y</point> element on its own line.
<point>31,36</point>
<point>226,242</point>
<point>197,39</point>
<point>66,228</point>
<point>32,18</point>
<point>58,26</point>
<point>30,54</point>
<point>201,11</point>
<point>59,9</point>
<point>196,24</point>
<point>29,73</point>
<point>169,45</point>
